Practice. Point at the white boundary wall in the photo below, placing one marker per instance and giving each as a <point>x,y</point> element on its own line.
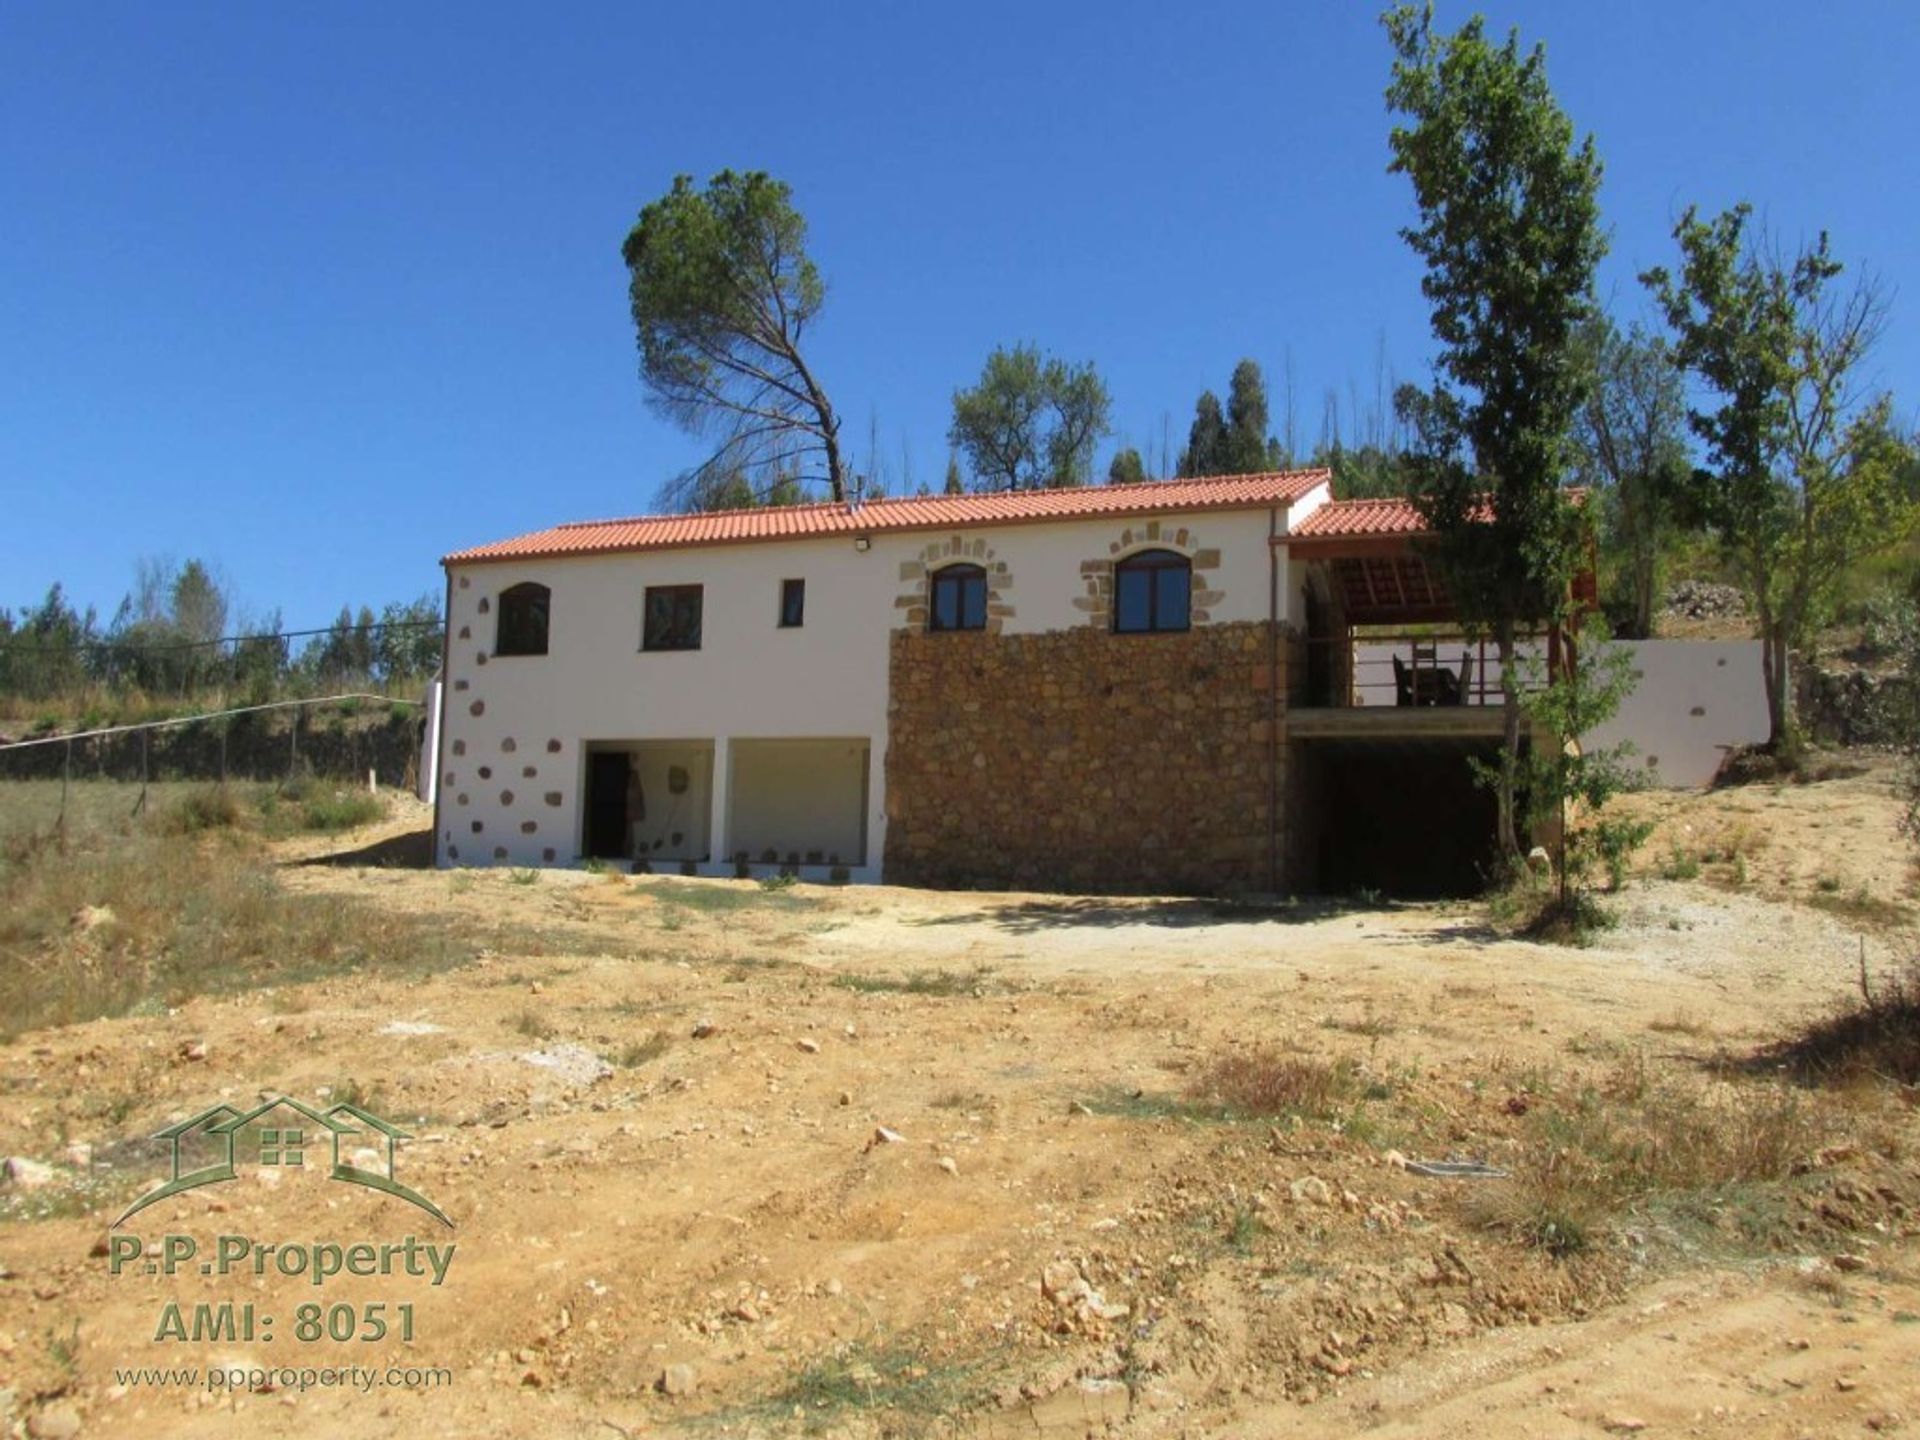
<point>1694,701</point>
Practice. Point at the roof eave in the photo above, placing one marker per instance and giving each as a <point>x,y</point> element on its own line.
<point>459,557</point>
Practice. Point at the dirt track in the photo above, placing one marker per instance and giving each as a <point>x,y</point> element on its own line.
<point>723,1202</point>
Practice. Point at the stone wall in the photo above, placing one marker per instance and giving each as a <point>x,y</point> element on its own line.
<point>1853,707</point>
<point>1081,760</point>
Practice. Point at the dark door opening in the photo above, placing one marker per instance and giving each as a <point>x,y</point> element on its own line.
<point>1406,820</point>
<point>607,837</point>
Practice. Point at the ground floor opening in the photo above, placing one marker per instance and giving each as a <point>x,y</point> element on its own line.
<point>798,802</point>
<point>1402,818</point>
<point>786,802</point>
<point>648,800</point>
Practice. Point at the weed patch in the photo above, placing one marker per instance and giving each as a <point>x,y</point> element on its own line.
<point>920,982</point>
<point>1875,1036</point>
<point>206,807</point>
<point>1630,1140</point>
<point>640,1052</point>
<point>341,810</point>
<point>899,1381</point>
<point>107,925</point>
<point>1270,1084</point>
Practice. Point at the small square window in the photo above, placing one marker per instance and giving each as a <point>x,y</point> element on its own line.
<point>793,604</point>
<point>672,620</point>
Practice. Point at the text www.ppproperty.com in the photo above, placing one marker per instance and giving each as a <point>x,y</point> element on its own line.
<point>243,1378</point>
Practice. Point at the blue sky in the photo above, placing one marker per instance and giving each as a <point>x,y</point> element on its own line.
<point>320,294</point>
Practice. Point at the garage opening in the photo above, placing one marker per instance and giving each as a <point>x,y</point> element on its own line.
<point>799,802</point>
<point>1404,819</point>
<point>648,800</point>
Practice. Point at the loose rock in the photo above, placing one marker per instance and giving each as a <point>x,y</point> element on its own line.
<point>25,1174</point>
<point>1311,1190</point>
<point>56,1422</point>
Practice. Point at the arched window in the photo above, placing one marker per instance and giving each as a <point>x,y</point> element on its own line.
<point>1152,591</point>
<point>522,628</point>
<point>959,599</point>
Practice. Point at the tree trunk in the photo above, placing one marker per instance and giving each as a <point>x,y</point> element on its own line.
<point>830,435</point>
<point>1509,746</point>
<point>1645,563</point>
<point>1773,670</point>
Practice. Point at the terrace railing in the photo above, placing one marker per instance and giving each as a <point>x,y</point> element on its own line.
<point>1411,668</point>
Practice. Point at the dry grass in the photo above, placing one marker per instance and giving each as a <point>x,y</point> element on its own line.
<point>1630,1137</point>
<point>1272,1083</point>
<point>1874,1037</point>
<point>533,1024</point>
<point>1680,1022</point>
<point>103,923</point>
<point>205,807</point>
<point>1862,908</point>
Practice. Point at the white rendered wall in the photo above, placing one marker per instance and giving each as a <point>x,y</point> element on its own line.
<point>826,679</point>
<point>428,775</point>
<point>1695,700</point>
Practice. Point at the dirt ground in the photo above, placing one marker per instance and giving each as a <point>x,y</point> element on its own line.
<point>879,1161</point>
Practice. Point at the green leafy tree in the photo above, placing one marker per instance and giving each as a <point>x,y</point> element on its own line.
<point>723,292</point>
<point>1364,472</point>
<point>1510,234</point>
<point>1568,782</point>
<point>1031,422</point>
<point>407,646</point>
<point>1250,450</point>
<point>1126,467</point>
<point>1206,452</point>
<point>261,656</point>
<point>1806,473</point>
<point>1630,448</point>
<point>45,650</point>
<point>198,617</point>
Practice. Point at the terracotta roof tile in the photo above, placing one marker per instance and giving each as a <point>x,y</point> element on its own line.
<point>908,512</point>
<point>1392,516</point>
<point>1348,519</point>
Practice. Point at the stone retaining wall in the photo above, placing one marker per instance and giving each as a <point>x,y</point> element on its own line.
<point>1853,707</point>
<point>1081,760</point>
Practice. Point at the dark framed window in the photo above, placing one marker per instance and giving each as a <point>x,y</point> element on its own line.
<point>522,626</point>
<point>1152,591</point>
<point>672,620</point>
<point>793,604</point>
<point>959,599</point>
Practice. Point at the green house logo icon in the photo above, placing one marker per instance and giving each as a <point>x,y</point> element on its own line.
<point>287,1134</point>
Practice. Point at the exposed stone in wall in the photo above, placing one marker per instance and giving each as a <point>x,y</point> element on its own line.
<point>470,723</point>
<point>1096,574</point>
<point>916,576</point>
<point>1081,760</point>
<point>1853,707</point>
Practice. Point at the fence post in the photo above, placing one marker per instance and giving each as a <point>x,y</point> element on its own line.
<point>66,776</point>
<point>223,752</point>
<point>141,804</point>
<point>293,744</point>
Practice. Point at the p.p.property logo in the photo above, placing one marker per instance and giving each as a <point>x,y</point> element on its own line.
<point>283,1133</point>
